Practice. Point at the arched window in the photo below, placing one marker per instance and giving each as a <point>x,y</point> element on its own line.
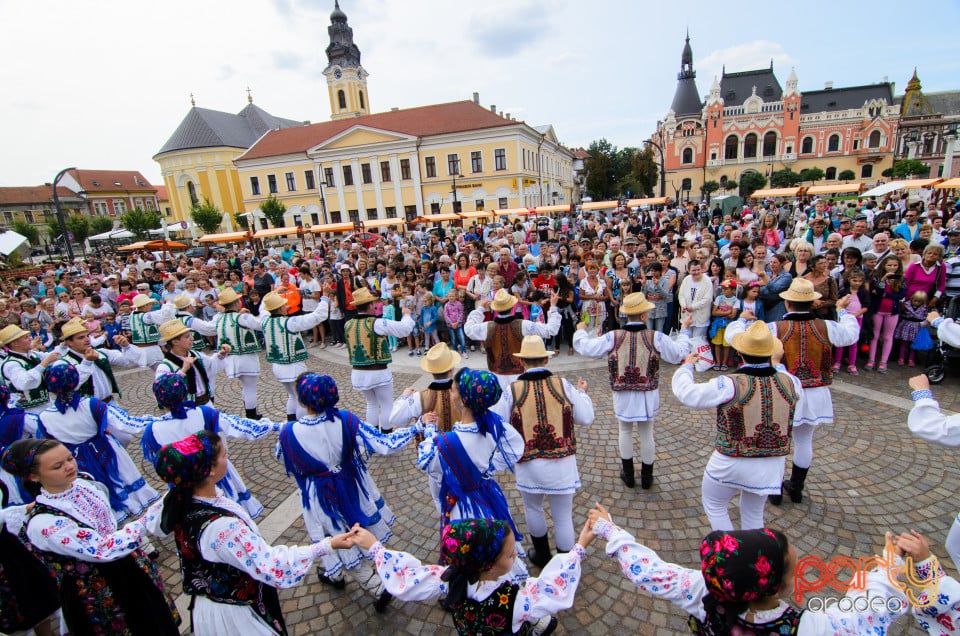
<point>770,144</point>
<point>686,184</point>
<point>750,146</point>
<point>688,155</point>
<point>723,181</point>
<point>874,141</point>
<point>192,190</point>
<point>342,99</point>
<point>806,147</point>
<point>732,146</point>
<point>833,143</point>
<point>362,104</point>
<point>866,171</point>
<point>830,174</point>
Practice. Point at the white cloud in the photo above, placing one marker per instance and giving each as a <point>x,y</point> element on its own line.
<point>743,57</point>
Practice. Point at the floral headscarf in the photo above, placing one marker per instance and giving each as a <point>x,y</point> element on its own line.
<point>62,380</point>
<point>469,548</point>
<point>171,392</point>
<point>480,390</point>
<point>183,464</point>
<point>318,393</point>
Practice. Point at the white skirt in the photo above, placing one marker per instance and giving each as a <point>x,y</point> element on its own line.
<point>815,407</point>
<point>215,619</point>
<point>757,475</point>
<point>242,364</point>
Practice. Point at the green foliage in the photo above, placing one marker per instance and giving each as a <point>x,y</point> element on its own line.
<point>645,171</point>
<point>100,224</point>
<point>730,184</point>
<point>910,168</point>
<point>601,177</point>
<point>139,222</point>
<point>14,259</point>
<point>207,216</point>
<point>750,182</point>
<point>811,174</point>
<point>53,227</point>
<point>25,229</point>
<point>242,220</point>
<point>274,211</point>
<point>79,225</point>
<point>708,188</point>
<point>887,173</point>
<point>847,175</point>
<point>785,178</point>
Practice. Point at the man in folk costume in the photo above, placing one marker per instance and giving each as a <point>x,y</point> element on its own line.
<point>634,354</point>
<point>95,366</point>
<point>184,306</point>
<point>503,335</point>
<point>755,408</point>
<point>231,327</point>
<point>545,409</point>
<point>145,327</point>
<point>369,352</point>
<point>23,369</point>
<point>286,349</point>
<point>199,370</point>
<point>439,398</point>
<point>808,354</point>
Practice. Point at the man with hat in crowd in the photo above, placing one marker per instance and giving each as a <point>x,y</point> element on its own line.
<point>437,403</point>
<point>23,368</point>
<point>502,336</point>
<point>95,366</point>
<point>755,407</point>
<point>145,326</point>
<point>369,352</point>
<point>808,344</point>
<point>184,305</point>
<point>634,354</point>
<point>231,327</point>
<point>545,409</point>
<point>199,370</point>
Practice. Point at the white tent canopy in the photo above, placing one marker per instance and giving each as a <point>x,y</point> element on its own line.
<point>9,241</point>
<point>883,189</point>
<point>120,235</point>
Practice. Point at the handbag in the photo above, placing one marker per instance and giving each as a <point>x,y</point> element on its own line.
<point>923,341</point>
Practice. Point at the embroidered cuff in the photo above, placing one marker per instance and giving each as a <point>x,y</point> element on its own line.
<point>580,551</point>
<point>604,528</point>
<point>929,568</point>
<point>936,323</point>
<point>377,552</point>
<point>841,314</point>
<point>321,548</point>
<point>921,395</point>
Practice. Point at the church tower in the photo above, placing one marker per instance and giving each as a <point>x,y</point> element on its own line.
<point>346,78</point>
<point>686,99</point>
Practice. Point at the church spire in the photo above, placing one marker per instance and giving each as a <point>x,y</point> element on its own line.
<point>686,99</point>
<point>346,78</point>
<point>342,51</point>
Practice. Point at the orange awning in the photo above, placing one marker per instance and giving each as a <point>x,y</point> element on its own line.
<point>776,192</point>
<point>477,215</point>
<point>332,228</point>
<point>439,218</point>
<point>600,205</point>
<point>139,245</point>
<point>948,184</point>
<point>512,212</point>
<point>375,223</point>
<point>837,188</point>
<point>633,203</point>
<point>275,231</point>
<point>547,209</point>
<point>227,237</point>
<point>914,184</point>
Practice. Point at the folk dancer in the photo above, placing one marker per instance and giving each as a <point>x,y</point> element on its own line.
<point>545,410</point>
<point>229,570</point>
<point>286,349</point>
<point>95,366</point>
<point>502,336</point>
<point>324,452</point>
<point>198,369</point>
<point>184,305</point>
<point>634,354</point>
<point>369,354</point>
<point>145,327</point>
<point>183,418</point>
<point>439,398</point>
<point>23,368</point>
<point>755,407</point>
<point>807,354</point>
<point>15,424</point>
<point>231,327</point>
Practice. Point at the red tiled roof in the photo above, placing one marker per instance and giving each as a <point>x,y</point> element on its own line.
<point>580,153</point>
<point>107,180</point>
<point>424,121</point>
<point>33,194</point>
<point>162,193</point>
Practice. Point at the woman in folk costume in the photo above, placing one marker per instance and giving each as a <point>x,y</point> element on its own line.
<point>185,306</point>
<point>145,327</point>
<point>198,369</point>
<point>230,572</point>
<point>755,408</point>
<point>107,585</point>
<point>15,424</point>
<point>324,451</point>
<point>237,330</point>
<point>461,463</point>
<point>439,398</point>
<point>86,426</point>
<point>634,353</point>
<point>476,575</point>
<point>184,418</point>
<point>286,349</point>
<point>22,368</point>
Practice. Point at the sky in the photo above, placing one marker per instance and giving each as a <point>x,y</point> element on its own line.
<point>102,84</point>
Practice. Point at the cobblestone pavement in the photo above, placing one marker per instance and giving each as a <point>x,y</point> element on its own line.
<point>869,475</point>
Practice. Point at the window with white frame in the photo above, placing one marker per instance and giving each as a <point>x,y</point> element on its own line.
<point>100,208</point>
<point>291,181</point>
<point>119,206</point>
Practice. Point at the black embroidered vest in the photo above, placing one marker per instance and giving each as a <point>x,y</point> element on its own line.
<point>490,617</point>
<point>786,625</point>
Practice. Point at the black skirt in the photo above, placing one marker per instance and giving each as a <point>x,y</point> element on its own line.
<point>28,590</point>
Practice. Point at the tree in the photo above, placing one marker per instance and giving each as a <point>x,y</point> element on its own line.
<point>785,178</point>
<point>79,225</point>
<point>847,175</point>
<point>645,171</point>
<point>887,173</point>
<point>53,228</point>
<point>601,176</point>
<point>910,168</point>
<point>274,211</point>
<point>730,184</point>
<point>29,231</point>
<point>139,222</point>
<point>207,216</point>
<point>242,220</point>
<point>708,188</point>
<point>811,174</point>
<point>100,224</point>
<point>750,182</point>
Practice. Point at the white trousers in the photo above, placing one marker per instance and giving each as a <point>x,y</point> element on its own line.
<point>379,404</point>
<point>953,542</point>
<point>293,403</point>
<point>803,445</point>
<point>648,449</point>
<point>248,390</point>
<point>561,509</point>
<point>717,496</point>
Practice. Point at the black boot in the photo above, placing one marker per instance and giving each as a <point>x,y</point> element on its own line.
<point>794,487</point>
<point>251,414</point>
<point>646,476</point>
<point>539,555</point>
<point>291,417</point>
<point>626,473</point>
<point>776,499</point>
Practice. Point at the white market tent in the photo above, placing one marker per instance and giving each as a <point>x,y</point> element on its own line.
<point>120,234</point>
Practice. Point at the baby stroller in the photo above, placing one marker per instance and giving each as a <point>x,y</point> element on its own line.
<point>943,354</point>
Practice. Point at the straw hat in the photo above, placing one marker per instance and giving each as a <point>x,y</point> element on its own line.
<point>503,301</point>
<point>143,300</point>
<point>182,301</point>
<point>272,301</point>
<point>532,347</point>
<point>758,341</point>
<point>363,297</point>
<point>228,296</point>
<point>635,304</point>
<point>10,333</point>
<point>171,329</point>
<point>73,328</point>
<point>439,359</point>
<point>801,291</point>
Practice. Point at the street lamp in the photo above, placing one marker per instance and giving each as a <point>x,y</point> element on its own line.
<point>323,201</point>
<point>663,176</point>
<point>456,204</point>
<point>62,223</point>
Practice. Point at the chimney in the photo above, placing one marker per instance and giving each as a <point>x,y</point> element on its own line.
<point>828,86</point>
<point>508,115</point>
<point>476,98</point>
<point>885,79</point>
<point>306,122</point>
<point>493,108</point>
<point>501,113</point>
<point>394,109</point>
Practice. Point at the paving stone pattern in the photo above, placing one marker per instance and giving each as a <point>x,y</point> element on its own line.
<point>869,475</point>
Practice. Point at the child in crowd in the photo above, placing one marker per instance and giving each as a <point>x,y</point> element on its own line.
<point>913,317</point>
<point>391,310</point>
<point>886,289</point>
<point>725,308</point>
<point>429,316</point>
<point>751,300</point>
<point>854,285</point>
<point>536,306</point>
<point>410,301</point>
<point>38,331</point>
<point>453,315</point>
<point>123,315</point>
<point>336,318</point>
